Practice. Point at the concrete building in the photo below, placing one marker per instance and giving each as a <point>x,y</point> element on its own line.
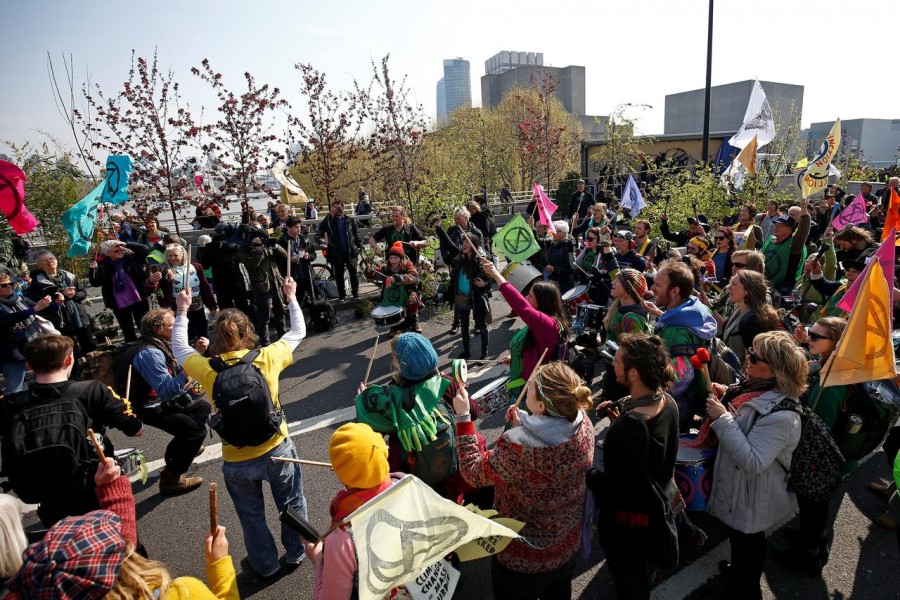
<point>874,142</point>
<point>684,110</point>
<point>569,90</point>
<point>511,59</point>
<point>454,90</point>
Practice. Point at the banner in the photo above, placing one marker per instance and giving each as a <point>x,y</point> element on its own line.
<point>815,179</point>
<point>12,198</point>
<point>516,240</point>
<point>885,256</point>
<point>545,207</point>
<point>407,528</point>
<point>632,198</point>
<point>892,218</point>
<point>747,157</point>
<point>854,214</point>
<point>80,220</point>
<point>758,121</point>
<point>118,172</point>
<point>866,351</point>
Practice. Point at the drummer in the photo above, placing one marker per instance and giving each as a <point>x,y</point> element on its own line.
<point>546,326</point>
<point>400,230</point>
<point>400,278</point>
<point>587,260</point>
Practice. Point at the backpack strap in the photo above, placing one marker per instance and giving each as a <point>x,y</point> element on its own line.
<point>218,365</point>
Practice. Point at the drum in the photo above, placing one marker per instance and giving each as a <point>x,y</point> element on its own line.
<point>693,473</point>
<point>493,397</point>
<point>129,460</point>
<point>590,318</point>
<point>521,275</point>
<point>577,295</point>
<point>388,316</point>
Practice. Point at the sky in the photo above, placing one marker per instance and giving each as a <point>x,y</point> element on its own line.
<point>633,51</point>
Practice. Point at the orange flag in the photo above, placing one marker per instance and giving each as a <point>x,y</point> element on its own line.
<point>866,351</point>
<point>892,219</point>
<point>747,157</point>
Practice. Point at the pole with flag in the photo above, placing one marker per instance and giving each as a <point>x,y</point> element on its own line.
<point>545,207</point>
<point>816,176</point>
<point>632,198</point>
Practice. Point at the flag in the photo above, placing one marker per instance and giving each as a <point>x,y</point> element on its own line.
<point>115,185</point>
<point>758,121</point>
<point>747,157</point>
<point>545,207</point>
<point>79,222</point>
<point>854,214</point>
<point>12,198</point>
<point>632,198</point>
<point>885,256</point>
<point>409,527</point>
<point>866,351</point>
<point>816,176</point>
<point>892,218</point>
<point>516,240</point>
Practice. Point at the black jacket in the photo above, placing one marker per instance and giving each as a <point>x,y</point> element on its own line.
<point>102,276</point>
<point>329,227</point>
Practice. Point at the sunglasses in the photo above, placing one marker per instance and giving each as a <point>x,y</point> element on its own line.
<point>754,358</point>
<point>735,265</point>
<point>721,237</point>
<point>815,337</point>
<point>6,285</point>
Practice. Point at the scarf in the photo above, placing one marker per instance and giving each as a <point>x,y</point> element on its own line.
<point>347,501</point>
<point>735,396</point>
<point>124,291</point>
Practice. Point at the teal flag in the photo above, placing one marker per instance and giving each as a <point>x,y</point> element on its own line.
<point>80,220</point>
<point>115,186</point>
<point>516,240</point>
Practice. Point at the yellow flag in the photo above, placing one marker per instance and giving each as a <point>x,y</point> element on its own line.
<point>747,157</point>
<point>865,351</point>
<point>816,177</point>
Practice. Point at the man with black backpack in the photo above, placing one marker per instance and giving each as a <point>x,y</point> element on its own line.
<point>165,398</point>
<point>46,451</point>
<point>243,383</point>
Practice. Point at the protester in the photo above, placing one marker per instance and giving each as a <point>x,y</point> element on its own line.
<point>587,261</point>
<point>538,469</point>
<point>721,255</point>
<point>71,404</point>
<point>785,251</point>
<point>626,254</point>
<point>400,279</point>
<point>120,278</point>
<point>749,490</point>
<point>482,218</point>
<point>363,209</point>
<point>699,247</point>
<point>561,257</point>
<point>468,289</point>
<point>264,263</point>
<point>636,453</point>
<point>342,237</point>
<point>579,204</point>
<point>746,234</point>
<point>401,229</point>
<point>69,317</point>
<point>627,313</point>
<point>231,276</point>
<point>302,253</point>
<point>17,326</point>
<point>854,243</point>
<point>451,242</point>
<point>753,315</point>
<point>152,233</point>
<point>695,228</point>
<point>174,278</point>
<point>162,396</point>
<point>245,468</point>
<point>546,327</point>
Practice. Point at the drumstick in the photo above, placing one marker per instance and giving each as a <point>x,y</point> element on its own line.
<point>371,360</point>
<point>97,448</point>
<point>128,385</point>
<point>287,273</point>
<point>530,377</point>
<point>213,509</point>
<point>299,461</point>
<point>187,269</point>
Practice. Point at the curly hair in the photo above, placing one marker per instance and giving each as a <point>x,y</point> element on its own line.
<point>647,354</point>
<point>562,391</point>
<point>153,321</point>
<point>233,331</point>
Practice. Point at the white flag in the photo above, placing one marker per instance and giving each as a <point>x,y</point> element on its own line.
<point>758,121</point>
<point>632,199</point>
<point>408,528</point>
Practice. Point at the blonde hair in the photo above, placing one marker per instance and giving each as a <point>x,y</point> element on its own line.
<point>12,535</point>
<point>786,360</point>
<point>233,331</point>
<point>634,278</point>
<point>139,578</point>
<point>560,387</point>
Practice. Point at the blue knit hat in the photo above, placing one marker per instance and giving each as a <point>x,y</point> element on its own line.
<point>417,357</point>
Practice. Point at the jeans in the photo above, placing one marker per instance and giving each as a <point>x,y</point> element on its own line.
<point>244,480</point>
<point>14,374</point>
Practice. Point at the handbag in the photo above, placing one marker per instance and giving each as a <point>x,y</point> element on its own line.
<point>43,327</point>
<point>462,302</point>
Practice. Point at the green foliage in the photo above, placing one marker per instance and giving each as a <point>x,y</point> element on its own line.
<point>686,194</point>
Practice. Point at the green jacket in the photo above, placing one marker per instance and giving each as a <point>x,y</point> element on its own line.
<point>264,265</point>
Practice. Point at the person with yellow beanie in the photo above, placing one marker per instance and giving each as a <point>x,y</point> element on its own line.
<point>359,457</point>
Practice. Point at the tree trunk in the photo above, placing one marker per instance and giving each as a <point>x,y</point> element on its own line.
<point>174,217</point>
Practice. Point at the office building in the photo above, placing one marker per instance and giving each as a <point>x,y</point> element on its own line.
<point>454,90</point>
<point>874,142</point>
<point>506,60</point>
<point>569,89</point>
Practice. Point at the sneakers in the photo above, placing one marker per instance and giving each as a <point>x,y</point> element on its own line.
<point>291,566</point>
<point>454,329</point>
<point>178,485</point>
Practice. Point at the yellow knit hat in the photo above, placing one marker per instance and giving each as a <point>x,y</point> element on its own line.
<point>358,456</point>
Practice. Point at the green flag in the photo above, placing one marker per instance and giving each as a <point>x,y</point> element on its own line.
<point>516,240</point>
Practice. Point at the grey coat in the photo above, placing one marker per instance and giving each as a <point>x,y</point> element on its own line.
<point>749,491</point>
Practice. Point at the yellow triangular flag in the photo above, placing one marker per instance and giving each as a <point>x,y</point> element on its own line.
<point>747,157</point>
<point>865,351</point>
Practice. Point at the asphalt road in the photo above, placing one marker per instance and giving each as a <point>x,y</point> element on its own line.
<point>317,392</point>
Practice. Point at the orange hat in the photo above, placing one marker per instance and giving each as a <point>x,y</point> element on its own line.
<point>397,248</point>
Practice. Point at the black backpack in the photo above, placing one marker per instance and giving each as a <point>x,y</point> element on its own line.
<point>46,449</point>
<point>245,414</point>
<point>867,416</point>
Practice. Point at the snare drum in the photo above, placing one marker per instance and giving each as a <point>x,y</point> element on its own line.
<point>493,397</point>
<point>591,317</point>
<point>388,316</point>
<point>693,473</point>
<point>521,275</point>
<point>129,460</point>
<point>577,295</point>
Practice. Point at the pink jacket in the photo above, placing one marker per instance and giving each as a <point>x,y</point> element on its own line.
<point>544,329</point>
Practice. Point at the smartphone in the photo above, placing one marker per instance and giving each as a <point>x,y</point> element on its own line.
<point>154,268</point>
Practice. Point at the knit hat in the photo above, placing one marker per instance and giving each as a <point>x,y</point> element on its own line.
<point>358,456</point>
<point>634,281</point>
<point>416,355</point>
<point>79,558</point>
<point>397,250</point>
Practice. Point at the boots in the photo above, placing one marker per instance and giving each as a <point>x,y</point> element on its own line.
<point>170,484</point>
